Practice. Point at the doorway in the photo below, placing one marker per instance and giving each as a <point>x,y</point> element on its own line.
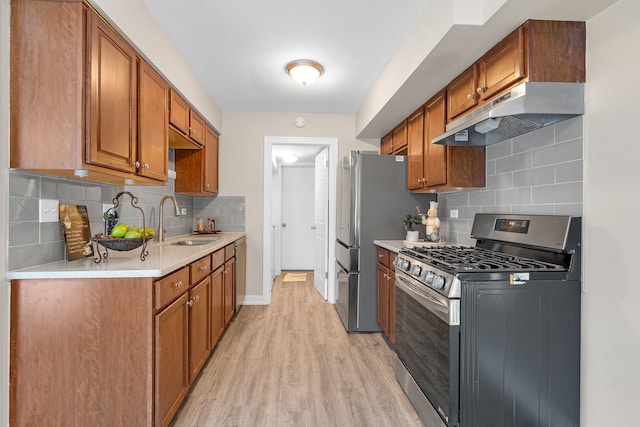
<point>272,225</point>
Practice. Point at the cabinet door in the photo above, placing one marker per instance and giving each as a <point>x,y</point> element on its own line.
<point>217,305</point>
<point>461,93</point>
<point>386,144</point>
<point>199,334</point>
<point>210,172</point>
<point>502,66</point>
<point>383,298</point>
<point>171,359</point>
<point>229,303</point>
<point>435,155</point>
<point>415,151</point>
<point>196,127</point>
<point>179,113</point>
<point>112,98</point>
<point>153,129</point>
<point>400,137</point>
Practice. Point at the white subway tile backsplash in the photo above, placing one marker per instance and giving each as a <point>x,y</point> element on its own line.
<point>569,129</point>
<point>569,171</point>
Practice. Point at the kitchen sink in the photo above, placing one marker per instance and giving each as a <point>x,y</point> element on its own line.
<point>196,242</point>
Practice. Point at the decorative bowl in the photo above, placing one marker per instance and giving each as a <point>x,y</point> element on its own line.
<point>121,244</point>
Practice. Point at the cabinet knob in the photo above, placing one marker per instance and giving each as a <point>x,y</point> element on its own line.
<point>207,185</point>
<point>380,255</point>
<point>196,298</point>
<point>189,303</point>
<point>179,285</point>
<point>481,89</point>
<point>136,164</point>
<point>145,166</point>
<point>470,96</point>
<point>203,268</point>
<point>384,275</point>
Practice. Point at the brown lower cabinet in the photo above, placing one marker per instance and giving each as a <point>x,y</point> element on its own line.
<point>126,349</point>
<point>387,292</point>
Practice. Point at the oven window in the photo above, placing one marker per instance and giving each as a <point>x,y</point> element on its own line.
<point>422,343</point>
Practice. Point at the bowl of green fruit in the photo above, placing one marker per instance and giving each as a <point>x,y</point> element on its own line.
<point>124,237</point>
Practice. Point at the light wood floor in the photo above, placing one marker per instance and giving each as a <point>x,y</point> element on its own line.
<point>293,364</point>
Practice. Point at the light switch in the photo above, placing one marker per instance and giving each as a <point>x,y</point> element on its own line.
<point>49,210</point>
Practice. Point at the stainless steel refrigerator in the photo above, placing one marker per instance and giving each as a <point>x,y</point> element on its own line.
<point>373,200</point>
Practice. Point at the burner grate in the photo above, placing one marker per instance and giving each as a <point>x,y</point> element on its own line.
<point>462,258</point>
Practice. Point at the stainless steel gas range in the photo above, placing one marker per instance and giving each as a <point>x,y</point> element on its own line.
<point>490,335</point>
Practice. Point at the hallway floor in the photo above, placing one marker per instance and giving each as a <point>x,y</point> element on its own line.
<point>293,364</point>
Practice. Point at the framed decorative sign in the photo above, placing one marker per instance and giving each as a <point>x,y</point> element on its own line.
<point>77,231</point>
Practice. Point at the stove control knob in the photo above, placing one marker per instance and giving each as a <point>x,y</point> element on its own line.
<point>416,270</point>
<point>438,282</point>
<point>406,265</point>
<point>429,277</point>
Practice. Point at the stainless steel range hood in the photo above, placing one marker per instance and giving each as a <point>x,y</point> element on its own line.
<point>525,108</point>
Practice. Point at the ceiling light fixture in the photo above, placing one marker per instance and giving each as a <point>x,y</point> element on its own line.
<point>304,71</point>
<point>289,158</point>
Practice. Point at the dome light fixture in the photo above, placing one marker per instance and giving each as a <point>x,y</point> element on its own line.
<point>289,158</point>
<point>304,71</point>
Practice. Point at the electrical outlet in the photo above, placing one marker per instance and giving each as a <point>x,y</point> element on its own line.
<point>106,207</point>
<point>183,211</point>
<point>49,210</point>
<point>453,213</point>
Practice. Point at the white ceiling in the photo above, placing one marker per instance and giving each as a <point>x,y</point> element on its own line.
<point>239,48</point>
<point>380,58</point>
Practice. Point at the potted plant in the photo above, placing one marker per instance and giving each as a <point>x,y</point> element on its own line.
<point>408,223</point>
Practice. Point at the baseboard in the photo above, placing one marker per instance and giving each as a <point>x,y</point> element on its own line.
<point>253,300</point>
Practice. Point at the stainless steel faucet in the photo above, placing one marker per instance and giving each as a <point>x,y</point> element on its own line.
<point>176,212</point>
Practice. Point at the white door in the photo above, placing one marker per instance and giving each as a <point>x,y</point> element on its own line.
<point>321,212</point>
<point>297,218</point>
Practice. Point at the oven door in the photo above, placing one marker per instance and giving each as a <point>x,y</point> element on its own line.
<point>428,343</point>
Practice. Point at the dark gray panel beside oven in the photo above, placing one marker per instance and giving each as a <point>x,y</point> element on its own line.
<point>520,354</point>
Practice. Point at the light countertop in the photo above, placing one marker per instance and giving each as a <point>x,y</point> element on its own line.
<point>163,258</point>
<point>392,245</point>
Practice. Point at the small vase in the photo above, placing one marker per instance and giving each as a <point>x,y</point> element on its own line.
<point>412,235</point>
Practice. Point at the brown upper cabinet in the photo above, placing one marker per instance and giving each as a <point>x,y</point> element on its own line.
<point>386,143</point>
<point>75,106</point>
<point>461,92</point>
<point>542,51</point>
<point>186,125</point>
<point>153,133</point>
<point>436,168</point>
<point>197,170</point>
<point>395,142</point>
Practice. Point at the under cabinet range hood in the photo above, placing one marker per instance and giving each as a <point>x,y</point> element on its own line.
<point>525,108</point>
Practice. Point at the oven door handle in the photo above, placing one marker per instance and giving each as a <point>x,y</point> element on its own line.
<point>447,312</point>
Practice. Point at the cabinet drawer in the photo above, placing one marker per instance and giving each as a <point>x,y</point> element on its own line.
<point>229,252</point>
<point>179,112</point>
<point>383,256</point>
<point>200,269</point>
<point>196,127</point>
<point>171,287</point>
<point>217,259</point>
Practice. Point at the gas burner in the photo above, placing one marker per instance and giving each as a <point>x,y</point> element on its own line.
<point>467,259</point>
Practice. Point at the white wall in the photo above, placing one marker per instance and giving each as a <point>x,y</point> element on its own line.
<point>611,302</point>
<point>241,165</point>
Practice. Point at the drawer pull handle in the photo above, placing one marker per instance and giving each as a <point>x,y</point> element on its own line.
<point>196,298</point>
<point>190,303</point>
<point>179,285</point>
<point>204,268</point>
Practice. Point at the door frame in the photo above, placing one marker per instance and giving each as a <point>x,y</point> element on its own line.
<point>269,142</point>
